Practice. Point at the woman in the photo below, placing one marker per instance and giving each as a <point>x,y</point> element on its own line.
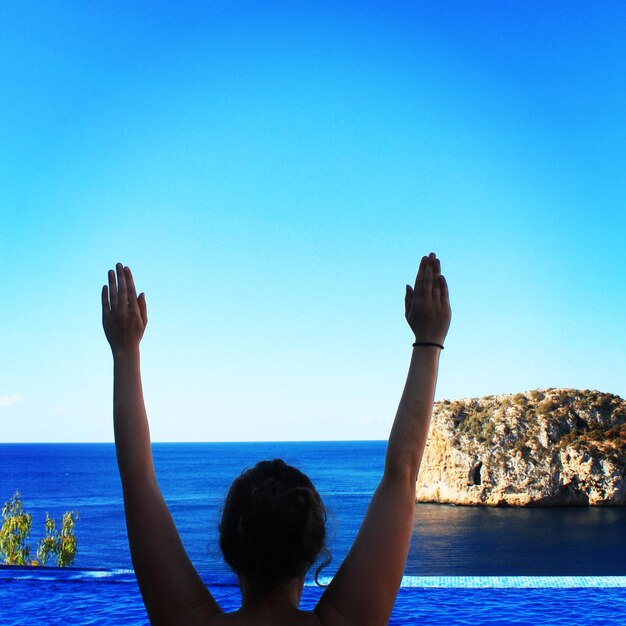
<point>272,528</point>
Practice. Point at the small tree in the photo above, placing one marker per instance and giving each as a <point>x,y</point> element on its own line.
<point>68,544</point>
<point>47,546</point>
<point>14,532</point>
<point>62,545</point>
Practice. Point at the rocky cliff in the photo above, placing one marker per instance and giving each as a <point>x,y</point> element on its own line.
<point>548,447</point>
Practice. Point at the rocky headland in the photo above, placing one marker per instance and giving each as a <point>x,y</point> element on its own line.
<point>547,447</point>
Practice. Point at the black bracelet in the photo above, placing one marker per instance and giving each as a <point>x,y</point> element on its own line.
<point>427,343</point>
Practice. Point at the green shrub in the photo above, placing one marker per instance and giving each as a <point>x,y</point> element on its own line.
<point>62,545</point>
<point>15,530</point>
<point>519,399</point>
<point>548,406</point>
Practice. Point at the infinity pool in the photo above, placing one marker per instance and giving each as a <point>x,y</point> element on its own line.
<point>31,596</point>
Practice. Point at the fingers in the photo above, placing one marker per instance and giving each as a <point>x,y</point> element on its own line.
<point>143,309</point>
<point>427,284</point>
<point>130,285</point>
<point>105,301</point>
<point>429,280</point>
<point>408,298</point>
<point>419,280</point>
<point>122,291</point>
<point>443,289</point>
<point>112,290</point>
<point>436,276</point>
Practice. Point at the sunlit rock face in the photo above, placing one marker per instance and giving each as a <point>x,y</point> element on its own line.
<point>547,447</point>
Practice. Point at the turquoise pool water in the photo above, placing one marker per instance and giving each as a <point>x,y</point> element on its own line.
<point>52,596</point>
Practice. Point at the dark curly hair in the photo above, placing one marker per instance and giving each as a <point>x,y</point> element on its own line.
<point>273,525</point>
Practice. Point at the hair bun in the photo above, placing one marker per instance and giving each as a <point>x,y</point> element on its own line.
<point>273,523</point>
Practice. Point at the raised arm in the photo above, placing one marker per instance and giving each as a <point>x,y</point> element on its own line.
<point>365,587</point>
<point>170,586</point>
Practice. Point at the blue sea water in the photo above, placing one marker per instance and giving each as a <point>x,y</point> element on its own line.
<point>450,541</point>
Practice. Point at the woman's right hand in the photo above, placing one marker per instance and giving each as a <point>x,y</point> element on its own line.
<point>427,304</point>
<point>124,315</point>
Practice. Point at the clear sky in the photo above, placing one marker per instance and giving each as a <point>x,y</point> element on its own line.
<point>272,172</point>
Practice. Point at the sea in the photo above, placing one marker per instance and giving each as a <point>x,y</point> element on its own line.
<point>450,544</point>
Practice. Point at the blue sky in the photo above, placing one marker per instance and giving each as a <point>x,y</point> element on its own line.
<point>272,173</point>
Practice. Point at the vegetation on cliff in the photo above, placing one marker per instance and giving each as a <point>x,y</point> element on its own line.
<point>577,419</point>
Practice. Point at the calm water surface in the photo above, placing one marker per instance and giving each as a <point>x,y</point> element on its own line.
<point>194,478</point>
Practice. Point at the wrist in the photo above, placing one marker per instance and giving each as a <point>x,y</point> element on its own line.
<point>126,353</point>
<point>429,342</point>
